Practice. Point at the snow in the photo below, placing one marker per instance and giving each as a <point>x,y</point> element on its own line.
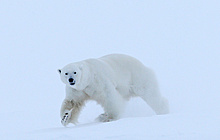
<point>178,39</point>
<point>172,126</point>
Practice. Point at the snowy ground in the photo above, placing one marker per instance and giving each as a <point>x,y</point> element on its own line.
<point>178,39</point>
<point>35,125</point>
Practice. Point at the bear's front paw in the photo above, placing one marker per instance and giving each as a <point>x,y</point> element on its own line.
<point>66,119</point>
<point>104,118</point>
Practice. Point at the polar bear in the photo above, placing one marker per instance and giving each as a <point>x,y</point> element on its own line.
<point>110,81</point>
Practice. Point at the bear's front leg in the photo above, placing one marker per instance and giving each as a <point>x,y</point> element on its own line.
<point>113,106</point>
<point>104,118</point>
<point>70,111</point>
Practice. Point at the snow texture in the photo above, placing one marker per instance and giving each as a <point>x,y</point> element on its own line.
<point>179,40</point>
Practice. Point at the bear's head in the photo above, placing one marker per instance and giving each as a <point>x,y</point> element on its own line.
<point>75,75</point>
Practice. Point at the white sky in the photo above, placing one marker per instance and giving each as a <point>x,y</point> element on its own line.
<point>180,40</point>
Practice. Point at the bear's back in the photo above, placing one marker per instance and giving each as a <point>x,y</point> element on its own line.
<point>122,61</point>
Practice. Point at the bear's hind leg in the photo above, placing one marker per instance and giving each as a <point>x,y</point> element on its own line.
<point>151,95</point>
<point>158,103</point>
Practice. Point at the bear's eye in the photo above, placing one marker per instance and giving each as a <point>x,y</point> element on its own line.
<point>74,72</point>
<point>66,73</point>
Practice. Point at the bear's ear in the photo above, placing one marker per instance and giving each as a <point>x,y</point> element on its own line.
<point>59,70</point>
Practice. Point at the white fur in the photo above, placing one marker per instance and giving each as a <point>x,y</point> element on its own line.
<point>109,80</point>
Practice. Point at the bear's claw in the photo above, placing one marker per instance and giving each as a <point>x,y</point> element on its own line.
<point>66,118</point>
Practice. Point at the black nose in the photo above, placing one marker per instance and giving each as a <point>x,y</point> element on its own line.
<point>70,80</point>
